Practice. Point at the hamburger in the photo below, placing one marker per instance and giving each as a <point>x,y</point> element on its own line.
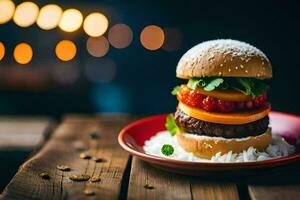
<point>223,106</point>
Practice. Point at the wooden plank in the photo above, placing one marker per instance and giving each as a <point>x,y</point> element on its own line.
<point>206,190</point>
<point>19,136</point>
<point>166,185</point>
<point>283,184</point>
<point>172,186</point>
<point>63,148</point>
<point>274,192</point>
<point>23,133</point>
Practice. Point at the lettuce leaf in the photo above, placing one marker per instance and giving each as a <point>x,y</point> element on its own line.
<point>213,84</point>
<point>196,82</point>
<point>171,126</point>
<point>175,90</point>
<point>249,86</point>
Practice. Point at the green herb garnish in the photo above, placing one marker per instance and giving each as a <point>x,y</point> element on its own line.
<point>249,86</point>
<point>259,88</point>
<point>175,90</point>
<point>213,84</point>
<point>167,149</point>
<point>196,82</point>
<point>171,126</point>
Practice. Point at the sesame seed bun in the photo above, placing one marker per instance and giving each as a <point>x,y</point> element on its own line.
<point>227,58</point>
<point>207,147</point>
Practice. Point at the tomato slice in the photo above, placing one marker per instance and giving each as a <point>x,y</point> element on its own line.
<point>213,101</point>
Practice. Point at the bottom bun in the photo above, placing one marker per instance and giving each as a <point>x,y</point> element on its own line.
<point>207,147</point>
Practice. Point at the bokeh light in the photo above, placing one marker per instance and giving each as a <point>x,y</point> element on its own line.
<point>49,17</point>
<point>120,36</point>
<point>26,14</point>
<point>23,53</point>
<point>100,70</point>
<point>95,24</point>
<point>152,37</point>
<point>65,50</point>
<point>97,47</point>
<point>173,39</point>
<point>7,9</point>
<point>71,20</point>
<point>2,50</point>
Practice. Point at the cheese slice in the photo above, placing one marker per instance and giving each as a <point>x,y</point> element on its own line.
<point>236,118</point>
<point>226,95</point>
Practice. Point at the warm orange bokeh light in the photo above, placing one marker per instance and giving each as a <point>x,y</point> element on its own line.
<point>2,50</point>
<point>49,17</point>
<point>173,39</point>
<point>152,37</point>
<point>26,14</point>
<point>71,20</point>
<point>23,53</point>
<point>95,24</point>
<point>97,47</point>
<point>65,50</point>
<point>120,36</point>
<point>7,9</point>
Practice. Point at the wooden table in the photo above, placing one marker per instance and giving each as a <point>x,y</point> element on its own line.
<point>19,137</point>
<point>124,177</point>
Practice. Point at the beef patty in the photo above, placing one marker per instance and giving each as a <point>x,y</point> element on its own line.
<point>199,127</point>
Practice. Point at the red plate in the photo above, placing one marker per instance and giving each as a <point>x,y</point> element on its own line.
<point>133,137</point>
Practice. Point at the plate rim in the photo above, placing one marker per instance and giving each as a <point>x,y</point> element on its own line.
<point>157,159</point>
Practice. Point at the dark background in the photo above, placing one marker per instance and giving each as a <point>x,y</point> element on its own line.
<point>145,78</point>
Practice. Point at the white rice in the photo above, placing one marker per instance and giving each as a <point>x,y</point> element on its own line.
<point>278,148</point>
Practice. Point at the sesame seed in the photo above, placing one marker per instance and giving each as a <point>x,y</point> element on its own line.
<point>221,65</point>
<point>220,73</point>
<point>262,63</point>
<point>246,71</point>
<point>229,70</point>
<point>236,67</point>
<point>242,66</point>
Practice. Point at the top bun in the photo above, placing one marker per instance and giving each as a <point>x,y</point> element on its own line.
<point>227,58</point>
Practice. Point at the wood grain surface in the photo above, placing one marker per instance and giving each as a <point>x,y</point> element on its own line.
<point>282,184</point>
<point>63,148</point>
<point>171,186</point>
<point>20,137</point>
<point>206,189</point>
<point>23,133</point>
